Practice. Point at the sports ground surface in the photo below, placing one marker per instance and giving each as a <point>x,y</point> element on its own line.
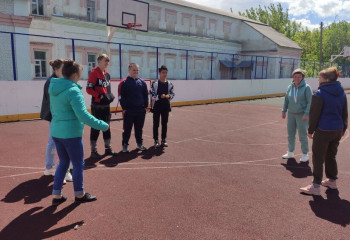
<point>222,177</point>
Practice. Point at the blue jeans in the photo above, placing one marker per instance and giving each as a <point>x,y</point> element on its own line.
<point>50,152</point>
<point>69,150</point>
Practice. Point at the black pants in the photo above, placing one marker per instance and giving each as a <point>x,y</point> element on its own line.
<point>102,113</point>
<point>324,150</point>
<point>157,114</point>
<point>136,119</point>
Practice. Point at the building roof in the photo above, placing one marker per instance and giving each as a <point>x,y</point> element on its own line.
<point>262,28</point>
<point>209,9</point>
<point>273,35</point>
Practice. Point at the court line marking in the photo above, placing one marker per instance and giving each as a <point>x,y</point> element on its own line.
<point>227,131</point>
<point>245,144</point>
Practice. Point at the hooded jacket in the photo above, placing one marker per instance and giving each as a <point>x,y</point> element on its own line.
<point>68,110</point>
<point>298,99</point>
<point>329,109</point>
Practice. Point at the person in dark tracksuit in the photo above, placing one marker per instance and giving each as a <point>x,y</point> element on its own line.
<point>328,121</point>
<point>99,87</point>
<point>134,101</point>
<point>162,91</point>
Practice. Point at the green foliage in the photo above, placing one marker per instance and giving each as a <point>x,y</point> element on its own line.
<point>335,36</point>
<point>276,17</point>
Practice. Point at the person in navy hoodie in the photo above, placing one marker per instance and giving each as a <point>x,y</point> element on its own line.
<point>328,121</point>
<point>134,101</point>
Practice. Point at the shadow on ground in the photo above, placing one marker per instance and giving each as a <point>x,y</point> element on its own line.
<point>31,191</point>
<point>298,170</point>
<point>34,223</point>
<point>333,208</point>
<point>123,157</point>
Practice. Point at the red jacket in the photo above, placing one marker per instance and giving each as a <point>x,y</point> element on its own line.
<point>98,83</point>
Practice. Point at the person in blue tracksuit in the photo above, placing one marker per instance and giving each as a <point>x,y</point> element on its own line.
<point>134,101</point>
<point>297,102</point>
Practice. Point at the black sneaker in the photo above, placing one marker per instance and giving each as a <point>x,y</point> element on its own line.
<point>156,144</point>
<point>94,154</point>
<point>58,201</point>
<point>164,143</point>
<point>87,198</point>
<point>110,152</point>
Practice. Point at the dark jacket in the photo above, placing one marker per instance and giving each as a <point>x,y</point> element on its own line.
<point>45,112</point>
<point>134,94</point>
<point>328,109</point>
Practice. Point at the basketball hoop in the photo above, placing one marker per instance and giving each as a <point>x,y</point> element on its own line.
<point>132,27</point>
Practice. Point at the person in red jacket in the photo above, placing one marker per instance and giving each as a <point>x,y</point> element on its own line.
<point>99,87</point>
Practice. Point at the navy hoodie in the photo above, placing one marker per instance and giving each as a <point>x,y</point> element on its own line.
<point>134,94</point>
<point>328,109</point>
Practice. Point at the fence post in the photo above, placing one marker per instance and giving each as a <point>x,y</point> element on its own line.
<point>186,64</point>
<point>233,66</point>
<point>211,67</point>
<point>256,65</point>
<point>251,64</point>
<point>280,75</point>
<point>73,49</point>
<point>13,57</point>
<point>120,61</point>
<point>267,66</point>
<point>157,62</point>
<point>293,65</point>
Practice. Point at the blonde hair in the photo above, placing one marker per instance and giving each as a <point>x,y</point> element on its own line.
<point>133,65</point>
<point>330,74</point>
<point>300,71</point>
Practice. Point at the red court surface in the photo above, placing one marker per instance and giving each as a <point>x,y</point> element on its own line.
<point>222,177</point>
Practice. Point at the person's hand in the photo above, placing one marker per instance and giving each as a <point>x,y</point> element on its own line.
<point>167,96</point>
<point>162,96</point>
<point>283,115</point>
<point>310,135</point>
<point>304,118</point>
<point>101,96</point>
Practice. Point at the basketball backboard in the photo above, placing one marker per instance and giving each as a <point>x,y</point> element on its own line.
<point>346,52</point>
<point>120,13</point>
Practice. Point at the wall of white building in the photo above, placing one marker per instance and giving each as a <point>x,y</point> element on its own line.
<point>22,99</point>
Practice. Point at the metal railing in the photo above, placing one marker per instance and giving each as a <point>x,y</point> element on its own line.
<point>17,51</point>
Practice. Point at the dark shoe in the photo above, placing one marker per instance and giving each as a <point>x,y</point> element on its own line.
<point>156,144</point>
<point>141,147</point>
<point>87,198</point>
<point>95,154</point>
<point>125,148</point>
<point>58,201</point>
<point>110,152</point>
<point>164,143</point>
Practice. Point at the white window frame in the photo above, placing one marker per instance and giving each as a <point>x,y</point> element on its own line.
<point>91,10</point>
<point>37,4</point>
<point>40,63</point>
<point>93,64</point>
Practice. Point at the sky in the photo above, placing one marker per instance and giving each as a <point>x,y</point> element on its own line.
<point>309,12</point>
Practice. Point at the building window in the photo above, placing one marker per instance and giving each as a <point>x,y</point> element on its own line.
<point>38,7</point>
<point>40,64</point>
<point>91,11</point>
<point>91,62</point>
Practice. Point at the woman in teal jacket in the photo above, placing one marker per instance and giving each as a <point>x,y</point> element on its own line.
<point>68,117</point>
<point>297,101</point>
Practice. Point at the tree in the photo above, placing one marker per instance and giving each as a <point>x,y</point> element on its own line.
<point>274,16</point>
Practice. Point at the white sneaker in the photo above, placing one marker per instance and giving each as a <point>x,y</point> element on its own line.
<point>50,172</point>
<point>68,177</point>
<point>288,155</point>
<point>304,158</point>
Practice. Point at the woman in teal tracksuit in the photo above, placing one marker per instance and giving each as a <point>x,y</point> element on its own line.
<point>297,101</point>
<point>69,115</point>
